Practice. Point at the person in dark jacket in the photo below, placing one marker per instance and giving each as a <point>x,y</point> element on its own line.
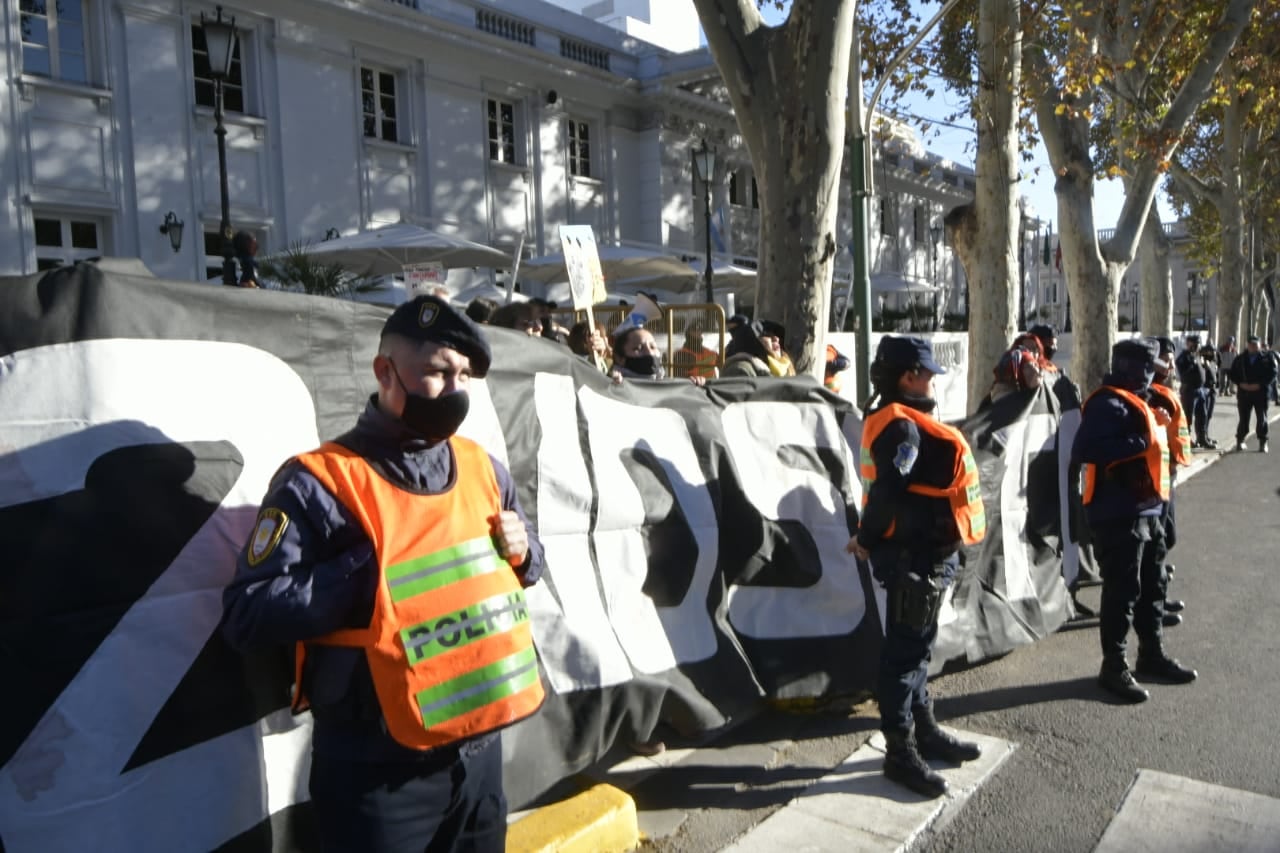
<point>1253,372</point>
<point>916,515</point>
<point>322,565</point>
<point>746,353</point>
<point>1122,447</point>
<point>1194,376</point>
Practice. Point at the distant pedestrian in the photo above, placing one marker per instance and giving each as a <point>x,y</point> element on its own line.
<point>1123,448</point>
<point>921,503</point>
<point>1226,357</point>
<point>1194,377</point>
<point>246,249</point>
<point>1253,373</point>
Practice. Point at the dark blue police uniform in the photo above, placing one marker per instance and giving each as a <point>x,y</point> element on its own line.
<point>913,541</point>
<point>317,574</point>
<point>1127,519</point>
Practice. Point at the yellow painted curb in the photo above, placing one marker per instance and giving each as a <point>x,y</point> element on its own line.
<point>599,820</point>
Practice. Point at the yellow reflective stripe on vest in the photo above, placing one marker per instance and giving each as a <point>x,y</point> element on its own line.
<point>452,630</point>
<point>478,688</point>
<point>424,574</point>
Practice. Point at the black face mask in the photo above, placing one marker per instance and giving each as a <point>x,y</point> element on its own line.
<point>433,418</point>
<point>1050,352</point>
<point>643,365</point>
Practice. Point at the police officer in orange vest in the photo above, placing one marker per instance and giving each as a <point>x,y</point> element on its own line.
<point>1163,396</point>
<point>1122,446</point>
<point>395,557</point>
<point>921,503</point>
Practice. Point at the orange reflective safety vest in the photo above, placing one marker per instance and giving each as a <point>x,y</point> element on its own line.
<point>963,492</point>
<point>449,644</point>
<point>1156,456</point>
<point>1176,432</point>
<point>701,362</point>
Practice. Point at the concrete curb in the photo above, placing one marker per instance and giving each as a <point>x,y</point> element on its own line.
<point>601,819</point>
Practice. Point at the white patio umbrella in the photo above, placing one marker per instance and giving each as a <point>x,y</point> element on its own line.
<point>618,263</point>
<point>387,250</point>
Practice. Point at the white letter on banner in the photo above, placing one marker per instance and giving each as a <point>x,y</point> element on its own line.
<point>1023,439</point>
<point>63,789</point>
<point>755,433</point>
<point>482,425</point>
<point>655,638</point>
<point>573,635</point>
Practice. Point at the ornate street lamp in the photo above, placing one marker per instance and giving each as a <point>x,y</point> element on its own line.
<point>220,42</point>
<point>704,163</point>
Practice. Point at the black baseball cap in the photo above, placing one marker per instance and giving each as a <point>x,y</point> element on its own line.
<point>907,352</point>
<point>432,319</point>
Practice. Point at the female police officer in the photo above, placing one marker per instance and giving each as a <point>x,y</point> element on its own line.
<point>921,502</point>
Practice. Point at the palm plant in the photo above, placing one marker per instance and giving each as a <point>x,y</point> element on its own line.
<point>298,270</point>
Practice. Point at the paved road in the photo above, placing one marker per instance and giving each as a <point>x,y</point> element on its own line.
<point>1068,756</point>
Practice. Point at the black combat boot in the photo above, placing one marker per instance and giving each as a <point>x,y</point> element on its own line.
<point>1153,663</point>
<point>1117,680</point>
<point>903,764</point>
<point>933,741</point>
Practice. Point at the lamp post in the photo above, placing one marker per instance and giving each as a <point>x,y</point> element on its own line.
<point>220,42</point>
<point>704,164</point>
<point>936,233</point>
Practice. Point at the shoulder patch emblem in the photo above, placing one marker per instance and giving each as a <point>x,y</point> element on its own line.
<point>266,534</point>
<point>427,315</point>
<point>905,458</point>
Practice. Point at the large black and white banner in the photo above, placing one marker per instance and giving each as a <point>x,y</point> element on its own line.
<point>695,544</point>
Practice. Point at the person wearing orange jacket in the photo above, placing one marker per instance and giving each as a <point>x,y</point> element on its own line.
<point>837,363</point>
<point>395,558</point>
<point>1163,396</point>
<point>921,503</point>
<point>1122,448</point>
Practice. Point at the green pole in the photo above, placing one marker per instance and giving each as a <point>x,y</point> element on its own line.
<point>860,284</point>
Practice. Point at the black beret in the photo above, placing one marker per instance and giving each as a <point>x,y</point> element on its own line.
<point>431,319</point>
<point>774,329</point>
<point>907,353</point>
<point>1167,346</point>
<point>1143,350</point>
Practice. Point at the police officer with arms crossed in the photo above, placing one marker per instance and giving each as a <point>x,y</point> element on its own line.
<point>1161,395</point>
<point>1122,446</point>
<point>395,557</point>
<point>921,502</point>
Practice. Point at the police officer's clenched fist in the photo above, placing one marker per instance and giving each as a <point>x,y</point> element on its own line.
<point>510,537</point>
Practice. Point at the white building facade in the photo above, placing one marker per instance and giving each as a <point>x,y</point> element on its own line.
<point>486,119</point>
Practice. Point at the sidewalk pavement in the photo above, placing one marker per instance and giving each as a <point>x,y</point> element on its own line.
<point>850,808</point>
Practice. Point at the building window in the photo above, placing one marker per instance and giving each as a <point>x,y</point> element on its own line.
<point>743,190</point>
<point>53,42</point>
<point>502,131</point>
<point>232,87</point>
<point>886,227</point>
<point>919,224</point>
<point>65,240</point>
<point>378,103</point>
<point>579,149</point>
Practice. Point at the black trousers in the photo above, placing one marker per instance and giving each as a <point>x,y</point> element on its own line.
<point>1131,560</point>
<point>402,807</point>
<point>1255,403</point>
